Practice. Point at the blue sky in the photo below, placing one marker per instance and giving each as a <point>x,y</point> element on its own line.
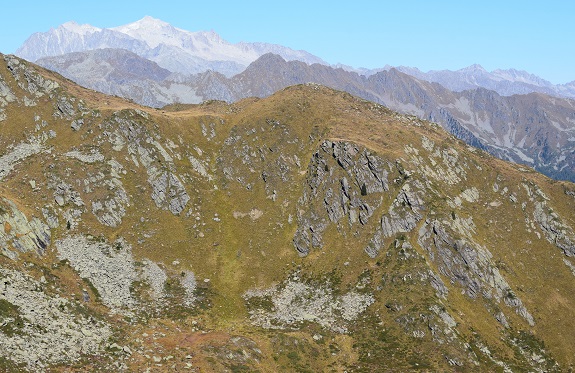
<point>536,36</point>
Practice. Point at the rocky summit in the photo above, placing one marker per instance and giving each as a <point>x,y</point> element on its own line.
<point>308,231</point>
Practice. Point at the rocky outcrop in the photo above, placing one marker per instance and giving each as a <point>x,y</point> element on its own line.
<point>29,80</point>
<point>155,277</point>
<point>401,217</point>
<point>94,156</point>
<point>468,265</point>
<point>349,181</point>
<point>21,151</point>
<point>111,207</point>
<point>6,96</point>
<point>554,230</point>
<point>168,191</point>
<point>20,235</point>
<point>65,193</point>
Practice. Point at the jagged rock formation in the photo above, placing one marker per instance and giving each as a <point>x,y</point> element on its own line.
<point>354,200</point>
<point>307,231</point>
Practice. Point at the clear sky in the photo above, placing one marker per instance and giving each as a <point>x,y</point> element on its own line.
<point>532,35</point>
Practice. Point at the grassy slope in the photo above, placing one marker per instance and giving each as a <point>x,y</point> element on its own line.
<point>238,254</point>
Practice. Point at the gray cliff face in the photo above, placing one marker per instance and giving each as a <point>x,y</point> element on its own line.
<point>470,266</point>
<point>344,188</point>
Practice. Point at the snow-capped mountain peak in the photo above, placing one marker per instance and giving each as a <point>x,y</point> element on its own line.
<point>82,30</point>
<point>154,32</point>
<point>172,48</point>
<point>146,22</point>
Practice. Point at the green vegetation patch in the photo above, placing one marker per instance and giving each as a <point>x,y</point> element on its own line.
<point>10,321</point>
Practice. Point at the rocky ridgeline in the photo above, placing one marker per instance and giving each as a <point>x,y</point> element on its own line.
<point>411,222</point>
<point>29,81</point>
<point>344,180</point>
<point>35,86</point>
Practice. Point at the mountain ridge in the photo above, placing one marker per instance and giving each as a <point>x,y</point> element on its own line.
<point>506,82</point>
<point>309,230</point>
<point>483,118</point>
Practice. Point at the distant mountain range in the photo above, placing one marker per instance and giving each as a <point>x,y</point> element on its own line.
<point>505,82</point>
<point>171,48</point>
<point>512,114</point>
<point>188,53</point>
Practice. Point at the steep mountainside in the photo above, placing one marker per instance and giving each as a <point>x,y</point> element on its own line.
<point>174,49</point>
<point>111,66</point>
<point>308,231</point>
